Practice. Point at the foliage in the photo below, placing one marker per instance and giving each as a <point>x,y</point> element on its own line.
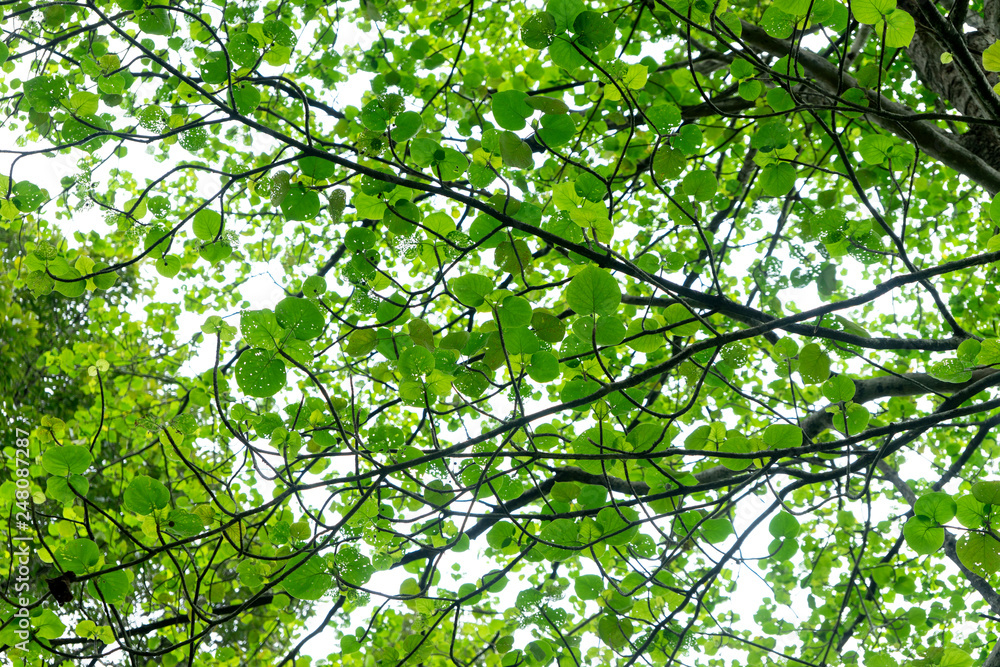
<point>659,331</point>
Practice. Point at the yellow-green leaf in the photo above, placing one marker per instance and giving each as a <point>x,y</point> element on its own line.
<point>991,57</point>
<point>871,11</point>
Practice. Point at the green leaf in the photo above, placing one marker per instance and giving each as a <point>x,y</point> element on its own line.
<point>567,54</point>
<point>716,530</point>
<point>777,23</point>
<point>736,444</point>
<point>544,367</point>
<point>316,168</point>
<point>852,420</point>
<point>155,22</point>
<point>989,352</point>
<point>770,136</point>
<point>83,104</point>
<point>664,117</point>
<point>69,284</point>
<point>839,388</point>
<point>614,631</point>
<point>701,185</point>
<point>540,651</point>
<point>520,340</point>
<point>741,69</point>
<point>207,225</point>
<point>938,507</point>
<point>951,370</point>
<point>510,110</point>
<point>300,203</point>
<point>65,489</point>
<point>515,311</point>
<point>782,436</point>
<point>969,350</point>
<point>779,100</point>
<point>471,289</point>
<point>635,77</point>
<point>168,266</point>
<point>987,492</point>
<point>609,330</point>
<point>991,57</point>
<point>402,217</point>
<point>923,535</point>
<point>814,364</point>
<point>244,49</point>
<point>515,153</point>
<point>40,283</point>
<point>899,29</point>
<point>301,316</point>
<point>112,587</point>
<point>995,203</point>
<point>548,327</point>
<point>184,524</point>
<point>593,290</point>
<point>783,524</point>
<point>556,130</point>
<point>408,124</point>
<point>79,556</point>
<point>214,68</point>
<point>979,552</point>
<point>794,7</point>
<point>309,580</point>
<point>776,180</point>
<point>871,11</point>
<point>539,30</point>
<point>48,626</point>
<point>392,311</point>
<point>353,567</point>
<point>66,460</point>
<point>688,139</point>
<point>415,362</point>
<point>750,90</point>
<point>547,105</point>
<point>564,12</point>
<point>215,252</point>
<point>280,33</point>
<point>593,31</point>
<point>361,342</point>
<point>145,494</point>
<point>259,373</point>
<point>360,238</point>
<point>875,148</point>
<point>619,525</point>
<point>314,286</point>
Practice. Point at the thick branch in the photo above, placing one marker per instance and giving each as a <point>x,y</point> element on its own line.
<point>907,384</point>
<point>929,138</point>
<point>224,610</point>
<point>981,585</point>
<point>753,316</point>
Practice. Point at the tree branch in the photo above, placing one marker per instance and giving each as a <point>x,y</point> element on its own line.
<point>981,585</point>
<point>223,610</point>
<point>884,386</point>
<point>753,317</point>
<point>893,116</point>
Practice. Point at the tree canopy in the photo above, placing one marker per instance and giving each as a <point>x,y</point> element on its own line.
<point>578,332</point>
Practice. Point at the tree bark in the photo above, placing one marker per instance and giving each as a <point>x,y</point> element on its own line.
<point>890,115</point>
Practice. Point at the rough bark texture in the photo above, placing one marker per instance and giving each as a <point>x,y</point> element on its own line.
<point>948,148</point>
<point>908,384</point>
<point>959,83</point>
